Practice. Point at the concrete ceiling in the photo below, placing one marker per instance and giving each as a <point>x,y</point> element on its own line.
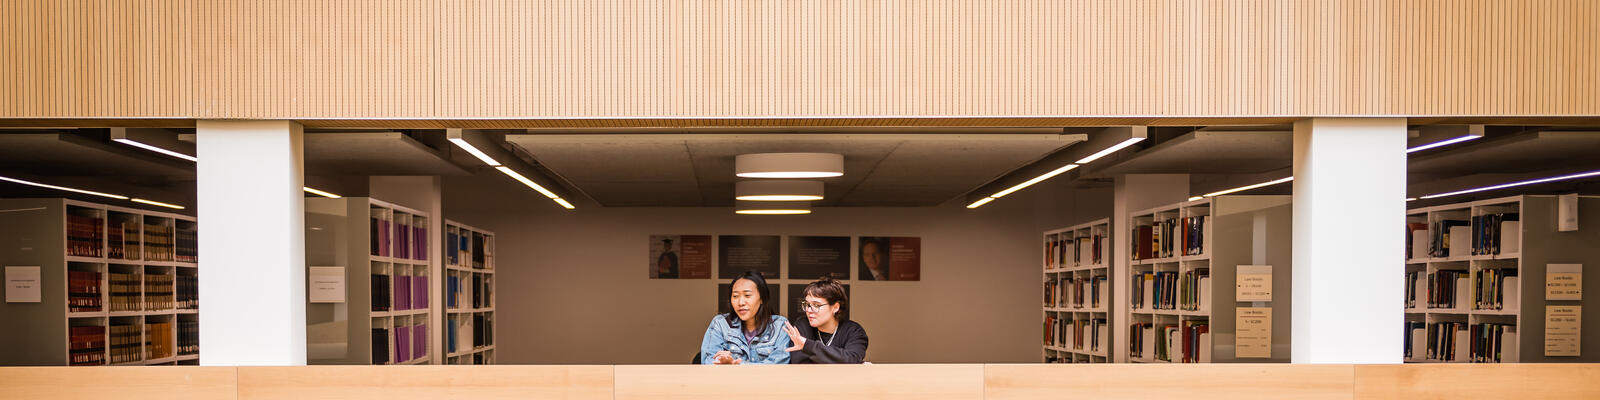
<point>66,154</point>
<point>375,154</point>
<point>1521,152</point>
<point>697,169</point>
<point>1206,152</point>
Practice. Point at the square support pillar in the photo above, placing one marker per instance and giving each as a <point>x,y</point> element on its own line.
<point>252,243</point>
<point>1349,205</point>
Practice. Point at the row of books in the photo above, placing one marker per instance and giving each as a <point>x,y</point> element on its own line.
<point>399,293</point>
<point>1085,292</point>
<point>465,249</point>
<point>1063,250</point>
<point>126,341</point>
<point>188,292</point>
<point>400,344</point>
<point>188,246</point>
<point>122,241</point>
<point>158,243</point>
<point>1196,342</point>
<point>1497,289</point>
<point>1490,233</point>
<point>85,237</point>
<point>1461,342</point>
<point>404,241</point>
<point>86,345</point>
<point>1447,289</point>
<point>380,233</point>
<point>188,337</point>
<point>1155,291</point>
<point>1189,342</point>
<point>1169,238</point>
<point>481,292</point>
<point>158,340</point>
<point>1480,235</point>
<point>158,294</point>
<point>1083,334</point>
<point>464,333</point>
<point>1194,291</point>
<point>126,292</point>
<point>83,291</point>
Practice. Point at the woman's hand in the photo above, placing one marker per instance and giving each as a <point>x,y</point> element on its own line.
<point>724,358</point>
<point>794,337</point>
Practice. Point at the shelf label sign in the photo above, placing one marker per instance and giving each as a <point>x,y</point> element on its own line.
<point>22,284</point>
<point>326,285</point>
<point>1253,283</point>
<point>1562,330</point>
<point>1254,338</point>
<point>1563,282</point>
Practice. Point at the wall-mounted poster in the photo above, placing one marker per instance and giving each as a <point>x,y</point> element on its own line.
<point>890,258</point>
<point>680,256</point>
<point>724,294</point>
<point>797,295</point>
<point>812,257</point>
<point>740,253</point>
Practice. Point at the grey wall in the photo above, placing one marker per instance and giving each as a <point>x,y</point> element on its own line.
<point>574,288</point>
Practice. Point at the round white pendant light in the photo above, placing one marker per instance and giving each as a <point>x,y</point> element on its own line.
<point>789,165</point>
<point>772,207</point>
<point>778,190</point>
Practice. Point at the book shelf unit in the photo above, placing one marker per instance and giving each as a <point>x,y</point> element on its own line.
<point>469,300</point>
<point>1077,293</point>
<point>383,248</point>
<point>1475,278</point>
<point>1179,252</point>
<point>117,285</point>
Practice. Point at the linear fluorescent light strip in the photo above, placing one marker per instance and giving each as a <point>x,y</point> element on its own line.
<point>1030,182</point>
<point>462,143</point>
<point>1244,188</point>
<point>980,202</point>
<point>321,193</point>
<point>1515,184</point>
<point>118,197</point>
<point>1442,143</point>
<point>1109,150</point>
<point>134,143</point>
<point>157,203</point>
<point>535,186</point>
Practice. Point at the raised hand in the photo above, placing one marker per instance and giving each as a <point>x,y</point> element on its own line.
<point>794,337</point>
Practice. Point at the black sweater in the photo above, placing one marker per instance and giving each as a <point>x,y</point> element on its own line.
<point>848,346</point>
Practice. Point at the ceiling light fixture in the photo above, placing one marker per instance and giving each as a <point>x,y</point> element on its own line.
<point>321,193</point>
<point>530,183</point>
<point>47,186</point>
<point>462,143</point>
<point>1037,179</point>
<point>980,202</point>
<point>788,165</point>
<point>1109,150</point>
<point>778,190</point>
<point>138,144</point>
<point>773,208</point>
<point>1515,184</point>
<point>1196,198</point>
<point>157,203</point>
<point>1443,143</point>
<point>1244,188</point>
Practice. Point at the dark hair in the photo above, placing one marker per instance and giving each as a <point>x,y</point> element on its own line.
<point>764,313</point>
<point>831,291</point>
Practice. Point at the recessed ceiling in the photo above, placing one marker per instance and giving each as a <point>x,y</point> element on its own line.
<point>374,154</point>
<point>1522,152</point>
<point>698,169</point>
<point>1207,152</point>
<point>66,154</point>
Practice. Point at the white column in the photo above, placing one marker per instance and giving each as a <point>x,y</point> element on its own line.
<point>252,243</point>
<point>1131,193</point>
<point>1349,205</point>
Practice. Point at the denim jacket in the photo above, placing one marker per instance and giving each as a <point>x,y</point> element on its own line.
<point>768,348</point>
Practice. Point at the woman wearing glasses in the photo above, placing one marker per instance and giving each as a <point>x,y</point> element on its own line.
<point>826,335</point>
<point>752,333</point>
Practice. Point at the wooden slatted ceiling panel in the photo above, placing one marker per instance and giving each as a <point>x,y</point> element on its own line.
<point>316,59</point>
<point>89,58</point>
<point>455,59</point>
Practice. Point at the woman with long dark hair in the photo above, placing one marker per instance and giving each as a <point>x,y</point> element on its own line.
<point>826,335</point>
<point>752,333</point>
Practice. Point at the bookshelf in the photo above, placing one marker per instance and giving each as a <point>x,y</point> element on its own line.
<point>383,248</point>
<point>469,294</point>
<point>117,285</point>
<point>1077,293</point>
<point>1475,279</point>
<point>1183,259</point>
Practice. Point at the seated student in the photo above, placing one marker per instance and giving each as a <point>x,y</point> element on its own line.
<point>751,334</point>
<point>826,335</point>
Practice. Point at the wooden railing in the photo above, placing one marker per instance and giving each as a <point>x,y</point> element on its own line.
<point>909,381</point>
